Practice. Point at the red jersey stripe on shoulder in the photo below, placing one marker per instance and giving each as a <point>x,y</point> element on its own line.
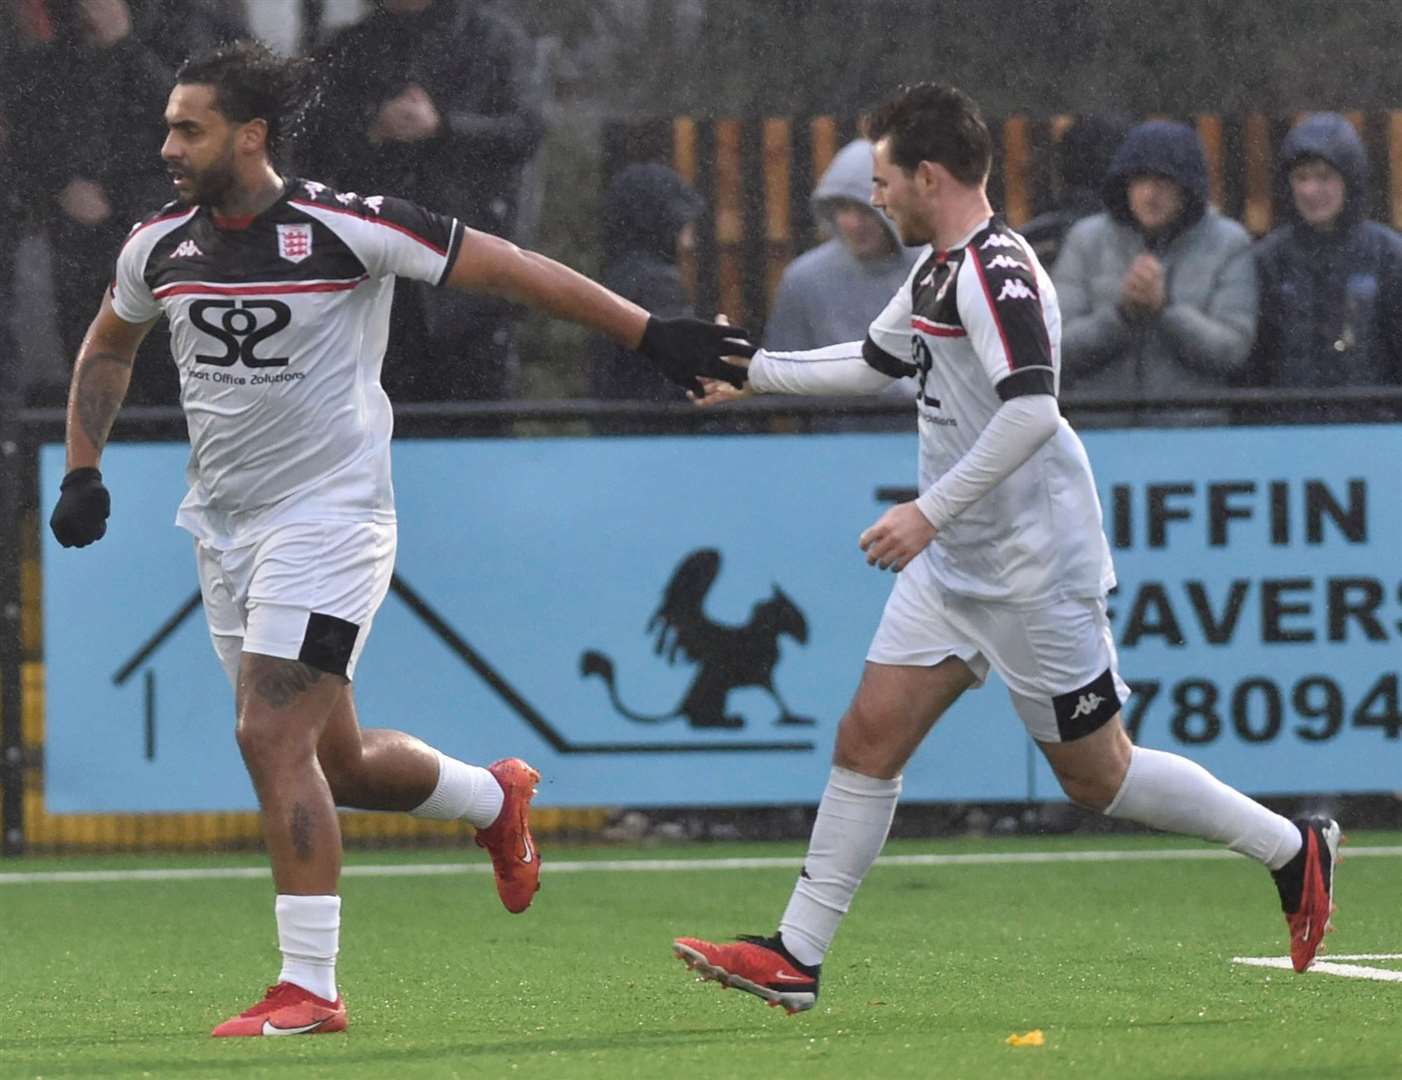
<point>144,225</point>
<point>372,220</point>
<point>934,329</point>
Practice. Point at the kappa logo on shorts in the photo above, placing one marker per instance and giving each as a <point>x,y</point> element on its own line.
<point>1086,705</point>
<point>1083,710</point>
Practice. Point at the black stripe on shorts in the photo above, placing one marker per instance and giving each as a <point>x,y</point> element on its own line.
<point>328,643</point>
<point>1080,712</point>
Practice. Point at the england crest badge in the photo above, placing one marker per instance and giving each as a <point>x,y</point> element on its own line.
<point>294,242</point>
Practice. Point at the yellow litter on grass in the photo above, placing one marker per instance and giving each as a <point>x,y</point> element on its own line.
<point>1031,1038</point>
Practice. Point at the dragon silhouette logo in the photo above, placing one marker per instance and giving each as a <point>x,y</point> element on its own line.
<point>727,657</point>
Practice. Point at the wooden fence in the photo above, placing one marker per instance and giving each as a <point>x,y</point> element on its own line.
<point>757,176</point>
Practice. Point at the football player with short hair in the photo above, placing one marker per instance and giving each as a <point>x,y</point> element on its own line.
<point>278,294</point>
<point>1002,561</point>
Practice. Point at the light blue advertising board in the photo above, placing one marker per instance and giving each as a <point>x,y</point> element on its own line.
<point>681,621</point>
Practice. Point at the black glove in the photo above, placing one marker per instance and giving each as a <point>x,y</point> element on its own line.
<point>683,349</point>
<point>81,514</point>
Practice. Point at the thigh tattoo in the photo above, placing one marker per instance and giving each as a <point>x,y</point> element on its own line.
<point>281,682</point>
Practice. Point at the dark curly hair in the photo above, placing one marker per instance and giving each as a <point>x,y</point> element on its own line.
<point>934,122</point>
<point>252,82</point>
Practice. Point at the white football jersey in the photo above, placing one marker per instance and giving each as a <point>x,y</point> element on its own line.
<point>980,324</point>
<point>278,329</point>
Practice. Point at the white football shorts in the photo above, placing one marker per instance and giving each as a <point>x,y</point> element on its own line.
<point>304,592</point>
<point>1058,661</point>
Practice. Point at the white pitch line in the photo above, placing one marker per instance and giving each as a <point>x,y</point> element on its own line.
<point>1329,967</point>
<point>671,865</point>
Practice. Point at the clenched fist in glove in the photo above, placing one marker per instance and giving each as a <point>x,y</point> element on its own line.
<point>83,505</point>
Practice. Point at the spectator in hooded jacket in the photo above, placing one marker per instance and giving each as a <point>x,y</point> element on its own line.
<point>832,292</point>
<point>1158,292</point>
<point>1331,282</point>
<point>648,221</point>
<point>1081,160</point>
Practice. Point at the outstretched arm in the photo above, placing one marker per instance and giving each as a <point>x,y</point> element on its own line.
<point>681,348</point>
<point>832,371</point>
<point>487,263</point>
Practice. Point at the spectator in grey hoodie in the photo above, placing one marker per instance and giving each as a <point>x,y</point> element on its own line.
<point>1158,293</point>
<point>1331,282</point>
<point>832,292</point>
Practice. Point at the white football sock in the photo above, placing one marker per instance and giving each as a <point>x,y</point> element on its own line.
<point>309,934</point>
<point>1168,792</point>
<point>463,791</point>
<point>854,817</point>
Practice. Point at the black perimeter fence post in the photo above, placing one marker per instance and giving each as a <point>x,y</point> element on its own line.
<point>13,467</point>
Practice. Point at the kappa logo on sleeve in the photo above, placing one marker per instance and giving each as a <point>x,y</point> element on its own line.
<point>1004,262</point>
<point>1016,289</point>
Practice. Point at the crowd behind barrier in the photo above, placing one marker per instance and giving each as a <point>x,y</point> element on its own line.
<point>1279,266</point>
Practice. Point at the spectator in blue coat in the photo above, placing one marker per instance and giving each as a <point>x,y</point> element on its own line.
<point>1331,281</point>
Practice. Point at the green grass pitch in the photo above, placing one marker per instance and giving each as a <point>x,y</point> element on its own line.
<point>1125,966</point>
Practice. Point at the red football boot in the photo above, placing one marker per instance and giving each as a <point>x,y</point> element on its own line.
<point>1306,886</point>
<point>287,1009</point>
<point>757,965</point>
<point>515,860</point>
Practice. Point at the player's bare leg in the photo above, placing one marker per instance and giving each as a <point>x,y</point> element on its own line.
<point>378,769</point>
<point>283,707</point>
<point>382,769</point>
<point>1091,769</point>
<point>1104,771</point>
<point>893,710</point>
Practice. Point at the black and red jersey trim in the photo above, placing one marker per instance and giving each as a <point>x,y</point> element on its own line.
<point>1025,381</point>
<point>934,329</point>
<point>207,288</point>
<point>454,246</point>
<point>372,220</point>
<point>160,216</point>
<point>993,310</point>
<point>1018,319</point>
<point>892,366</point>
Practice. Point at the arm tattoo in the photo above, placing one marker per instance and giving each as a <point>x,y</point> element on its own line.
<point>99,393</point>
<point>281,683</point>
<point>302,831</point>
